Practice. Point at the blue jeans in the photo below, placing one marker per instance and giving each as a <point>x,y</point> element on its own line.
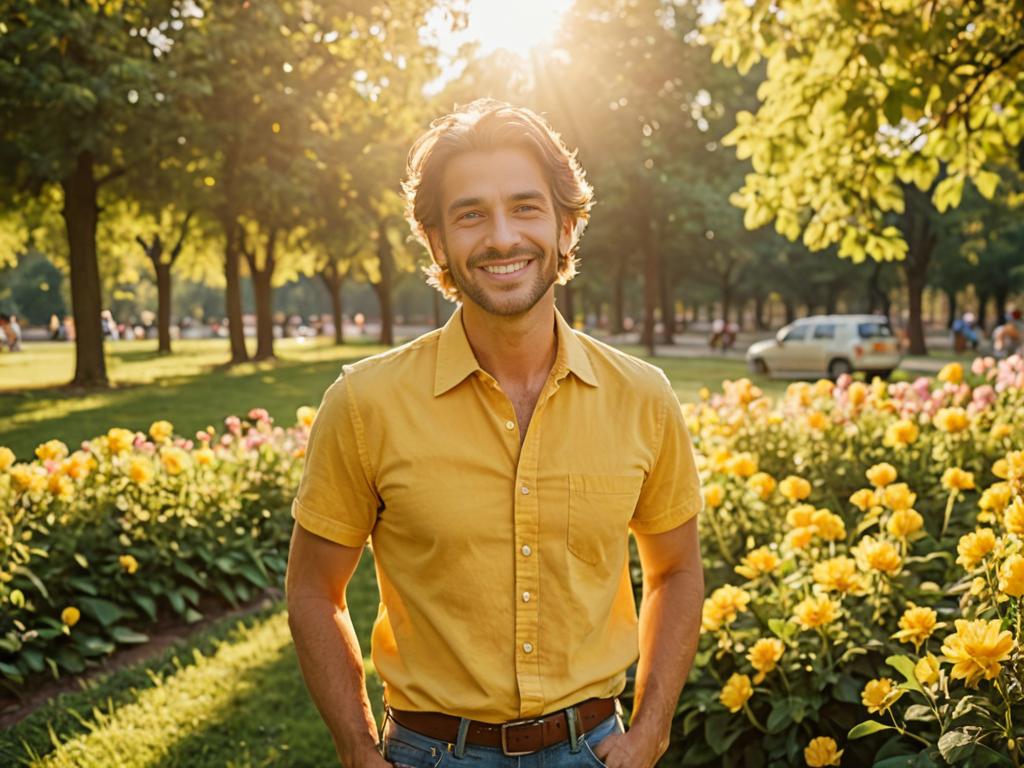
<point>404,748</point>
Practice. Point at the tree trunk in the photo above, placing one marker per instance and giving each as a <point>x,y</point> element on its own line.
<point>568,302</point>
<point>760,304</point>
<point>163,308</point>
<point>333,281</point>
<point>81,214</point>
<point>619,297</point>
<point>1001,294</point>
<point>790,308</point>
<point>725,292</point>
<point>983,298</point>
<point>263,294</point>
<point>384,287</point>
<point>437,309</point>
<point>668,307</point>
<point>233,292</point>
<point>950,307</point>
<point>921,239</point>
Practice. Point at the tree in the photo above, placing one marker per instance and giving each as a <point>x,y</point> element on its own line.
<point>163,261</point>
<point>863,101</point>
<point>77,83</point>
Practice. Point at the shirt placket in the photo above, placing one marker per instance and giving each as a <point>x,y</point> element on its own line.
<point>526,517</point>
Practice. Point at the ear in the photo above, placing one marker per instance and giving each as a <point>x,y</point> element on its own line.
<point>437,249</point>
<point>565,234</point>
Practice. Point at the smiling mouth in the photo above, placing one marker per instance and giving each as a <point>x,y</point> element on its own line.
<point>506,269</point>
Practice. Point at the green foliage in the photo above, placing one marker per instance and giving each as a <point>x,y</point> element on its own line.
<point>863,98</point>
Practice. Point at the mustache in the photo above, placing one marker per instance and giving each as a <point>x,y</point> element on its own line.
<point>492,255</point>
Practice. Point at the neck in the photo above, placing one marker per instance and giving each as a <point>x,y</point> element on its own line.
<point>518,350</point>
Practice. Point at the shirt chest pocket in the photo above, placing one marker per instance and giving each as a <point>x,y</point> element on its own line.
<point>600,508</point>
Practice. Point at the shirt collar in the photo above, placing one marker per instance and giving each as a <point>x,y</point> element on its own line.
<point>456,361</point>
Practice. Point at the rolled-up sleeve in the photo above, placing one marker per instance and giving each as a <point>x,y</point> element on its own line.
<point>337,498</point>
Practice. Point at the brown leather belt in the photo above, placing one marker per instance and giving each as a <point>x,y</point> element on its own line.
<point>516,737</point>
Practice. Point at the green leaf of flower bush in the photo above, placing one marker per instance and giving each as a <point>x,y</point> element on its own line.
<point>83,585</point>
<point>125,635</point>
<point>104,611</point>
<point>146,603</point>
<point>905,666</point>
<point>867,728</point>
<point>958,744</point>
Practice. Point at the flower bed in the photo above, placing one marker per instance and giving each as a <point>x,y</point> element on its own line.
<point>865,552</point>
<point>97,543</point>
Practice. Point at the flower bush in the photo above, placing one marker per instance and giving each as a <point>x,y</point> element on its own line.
<point>864,547</point>
<point>99,543</point>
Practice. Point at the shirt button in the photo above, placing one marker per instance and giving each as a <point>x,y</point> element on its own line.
<point>528,647</point>
<point>525,490</point>
<point>526,550</point>
<point>510,425</point>
<point>526,597</point>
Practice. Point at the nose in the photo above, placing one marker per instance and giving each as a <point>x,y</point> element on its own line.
<point>504,234</point>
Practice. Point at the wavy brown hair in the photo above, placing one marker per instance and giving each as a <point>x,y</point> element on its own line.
<point>485,125</point>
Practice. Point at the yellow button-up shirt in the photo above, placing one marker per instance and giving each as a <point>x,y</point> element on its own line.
<point>503,567</point>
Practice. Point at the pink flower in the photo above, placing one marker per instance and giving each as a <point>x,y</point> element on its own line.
<point>203,436</point>
<point>259,414</point>
<point>234,425</point>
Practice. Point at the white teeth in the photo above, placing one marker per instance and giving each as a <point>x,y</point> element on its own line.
<point>506,268</point>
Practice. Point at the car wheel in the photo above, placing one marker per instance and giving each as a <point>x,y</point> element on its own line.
<point>838,367</point>
<point>759,366</point>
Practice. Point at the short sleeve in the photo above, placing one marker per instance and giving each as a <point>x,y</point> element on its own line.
<point>671,492</point>
<point>336,498</point>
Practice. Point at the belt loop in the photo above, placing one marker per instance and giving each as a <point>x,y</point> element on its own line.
<point>460,743</point>
<point>383,728</point>
<point>572,719</point>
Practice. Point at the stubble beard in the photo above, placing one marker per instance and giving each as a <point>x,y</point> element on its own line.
<point>493,302</point>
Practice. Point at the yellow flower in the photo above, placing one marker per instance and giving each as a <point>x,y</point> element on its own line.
<point>878,695</point>
<point>736,692</point>
<point>800,516</point>
<point>129,563</point>
<point>28,477</point>
<point>863,499</point>
<point>722,606</point>
<point>904,523</point>
<point>817,420</point>
<point>999,431</point>
<point>881,475</point>
<point>6,458</point>
<point>838,575</point>
<point>204,457</point>
<point>900,434</point>
<point>762,484</point>
<point>70,615</point>
<point>305,415</point>
<point>816,611</point>
<point>951,420</point>
<point>61,486</point>
<point>822,752</point>
<point>120,440</point>
<point>973,547</point>
<point>741,465</point>
<point>795,488</point>
<point>161,431</point>
<point>800,538</point>
<point>955,479</point>
<point>51,450</point>
<point>1013,518</point>
<point>718,459</point>
<point>976,650</point>
<point>878,555</point>
<point>1014,466</point>
<point>1011,576</point>
<point>704,393</point>
<point>995,497</point>
<point>829,526</point>
<point>78,465</point>
<point>174,460</point>
<point>714,494</point>
<point>917,624</point>
<point>140,470</point>
<point>927,670</point>
<point>951,373</point>
<point>898,496</point>
<point>758,561</point>
<point>857,393</point>
<point>764,655</point>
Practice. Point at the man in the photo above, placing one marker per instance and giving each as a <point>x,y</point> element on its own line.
<point>498,465</point>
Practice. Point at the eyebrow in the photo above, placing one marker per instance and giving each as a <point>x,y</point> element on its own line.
<point>469,202</point>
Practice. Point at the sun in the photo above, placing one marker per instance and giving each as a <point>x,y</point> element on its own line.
<point>517,27</point>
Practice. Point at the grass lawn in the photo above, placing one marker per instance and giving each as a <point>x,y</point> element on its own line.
<point>232,696</point>
<point>192,388</point>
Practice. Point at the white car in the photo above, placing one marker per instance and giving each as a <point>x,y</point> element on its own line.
<point>828,345</point>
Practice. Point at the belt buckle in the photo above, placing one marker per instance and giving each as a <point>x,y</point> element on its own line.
<point>504,738</point>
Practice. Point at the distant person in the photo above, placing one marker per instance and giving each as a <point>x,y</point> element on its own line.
<point>108,326</point>
<point>360,321</point>
<point>1008,338</point>
<point>12,332</point>
<point>965,332</point>
<point>56,328</point>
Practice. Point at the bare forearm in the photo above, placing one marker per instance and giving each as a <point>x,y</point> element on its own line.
<point>669,633</point>
<point>332,666</point>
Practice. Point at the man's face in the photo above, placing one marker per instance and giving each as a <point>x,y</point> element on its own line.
<point>500,236</point>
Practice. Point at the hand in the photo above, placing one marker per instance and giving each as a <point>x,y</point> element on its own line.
<point>633,749</point>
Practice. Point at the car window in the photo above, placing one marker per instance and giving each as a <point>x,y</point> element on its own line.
<point>874,330</point>
<point>796,333</point>
<point>825,331</point>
